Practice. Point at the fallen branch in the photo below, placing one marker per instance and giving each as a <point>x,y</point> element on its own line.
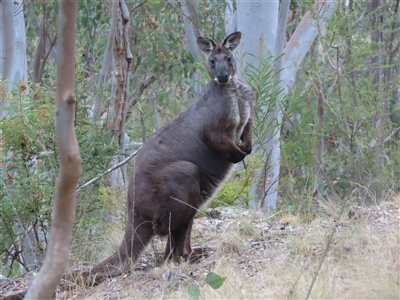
<point>108,171</point>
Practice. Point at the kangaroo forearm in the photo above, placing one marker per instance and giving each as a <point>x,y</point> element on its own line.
<point>246,137</point>
<point>222,144</point>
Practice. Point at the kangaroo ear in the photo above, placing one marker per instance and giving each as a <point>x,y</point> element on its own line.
<point>232,40</point>
<point>205,44</point>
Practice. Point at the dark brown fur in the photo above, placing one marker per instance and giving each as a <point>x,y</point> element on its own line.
<point>180,167</point>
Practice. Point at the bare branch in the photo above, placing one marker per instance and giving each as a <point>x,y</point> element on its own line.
<point>137,6</point>
<point>108,171</point>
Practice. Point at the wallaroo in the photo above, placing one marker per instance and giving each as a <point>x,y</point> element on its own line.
<point>182,165</point>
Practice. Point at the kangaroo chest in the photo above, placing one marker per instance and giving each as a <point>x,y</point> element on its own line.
<point>240,110</point>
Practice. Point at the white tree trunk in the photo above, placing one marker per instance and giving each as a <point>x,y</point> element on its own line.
<point>302,39</point>
<point>192,32</point>
<point>107,59</point>
<point>271,183</point>
<point>13,63</point>
<point>230,18</point>
<point>258,20</point>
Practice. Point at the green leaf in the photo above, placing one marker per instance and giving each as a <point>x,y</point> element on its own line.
<point>194,292</point>
<point>214,280</point>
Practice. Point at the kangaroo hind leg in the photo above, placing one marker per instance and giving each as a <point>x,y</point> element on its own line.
<point>181,198</point>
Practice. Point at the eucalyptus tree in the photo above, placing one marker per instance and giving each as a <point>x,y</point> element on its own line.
<point>13,62</point>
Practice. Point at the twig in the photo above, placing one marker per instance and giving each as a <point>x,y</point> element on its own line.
<point>137,6</point>
<point>390,135</point>
<point>108,171</point>
<point>273,215</point>
<point>180,201</point>
<point>328,244</point>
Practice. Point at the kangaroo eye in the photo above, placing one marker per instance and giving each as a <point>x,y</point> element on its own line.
<point>229,59</point>
<point>212,61</point>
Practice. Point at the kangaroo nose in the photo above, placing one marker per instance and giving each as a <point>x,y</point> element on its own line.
<point>223,77</point>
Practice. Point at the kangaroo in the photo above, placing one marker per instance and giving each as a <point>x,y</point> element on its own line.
<point>181,166</point>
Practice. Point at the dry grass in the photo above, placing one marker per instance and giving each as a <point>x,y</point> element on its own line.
<point>278,262</point>
<point>274,259</point>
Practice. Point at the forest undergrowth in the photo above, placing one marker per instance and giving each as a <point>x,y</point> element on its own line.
<point>266,258</point>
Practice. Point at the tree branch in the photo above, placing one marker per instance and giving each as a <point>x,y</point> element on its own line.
<point>108,171</point>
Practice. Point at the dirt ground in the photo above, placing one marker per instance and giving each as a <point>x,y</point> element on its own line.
<point>266,258</point>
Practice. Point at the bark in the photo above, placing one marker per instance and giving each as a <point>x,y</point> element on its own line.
<point>7,40</point>
<point>352,74</point>
<point>43,49</point>
<point>230,18</point>
<point>258,21</point>
<point>274,144</point>
<point>19,70</point>
<point>191,28</point>
<point>13,63</point>
<point>302,40</point>
<point>45,282</point>
<point>318,169</point>
<point>107,58</point>
<point>376,39</point>
<point>118,108</point>
<point>192,31</point>
<point>40,49</point>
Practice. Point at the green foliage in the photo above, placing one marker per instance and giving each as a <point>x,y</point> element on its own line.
<point>236,191</point>
<point>213,280</point>
<point>358,133</point>
<point>267,95</point>
<point>30,165</point>
<point>193,292</point>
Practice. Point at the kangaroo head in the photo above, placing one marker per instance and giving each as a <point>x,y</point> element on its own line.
<point>221,65</point>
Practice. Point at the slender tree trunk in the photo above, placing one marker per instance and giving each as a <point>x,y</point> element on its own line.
<point>230,18</point>
<point>13,63</point>
<point>274,143</point>
<point>107,59</point>
<point>258,21</point>
<point>7,40</point>
<point>45,282</point>
<point>320,146</point>
<point>118,108</point>
<point>192,31</point>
